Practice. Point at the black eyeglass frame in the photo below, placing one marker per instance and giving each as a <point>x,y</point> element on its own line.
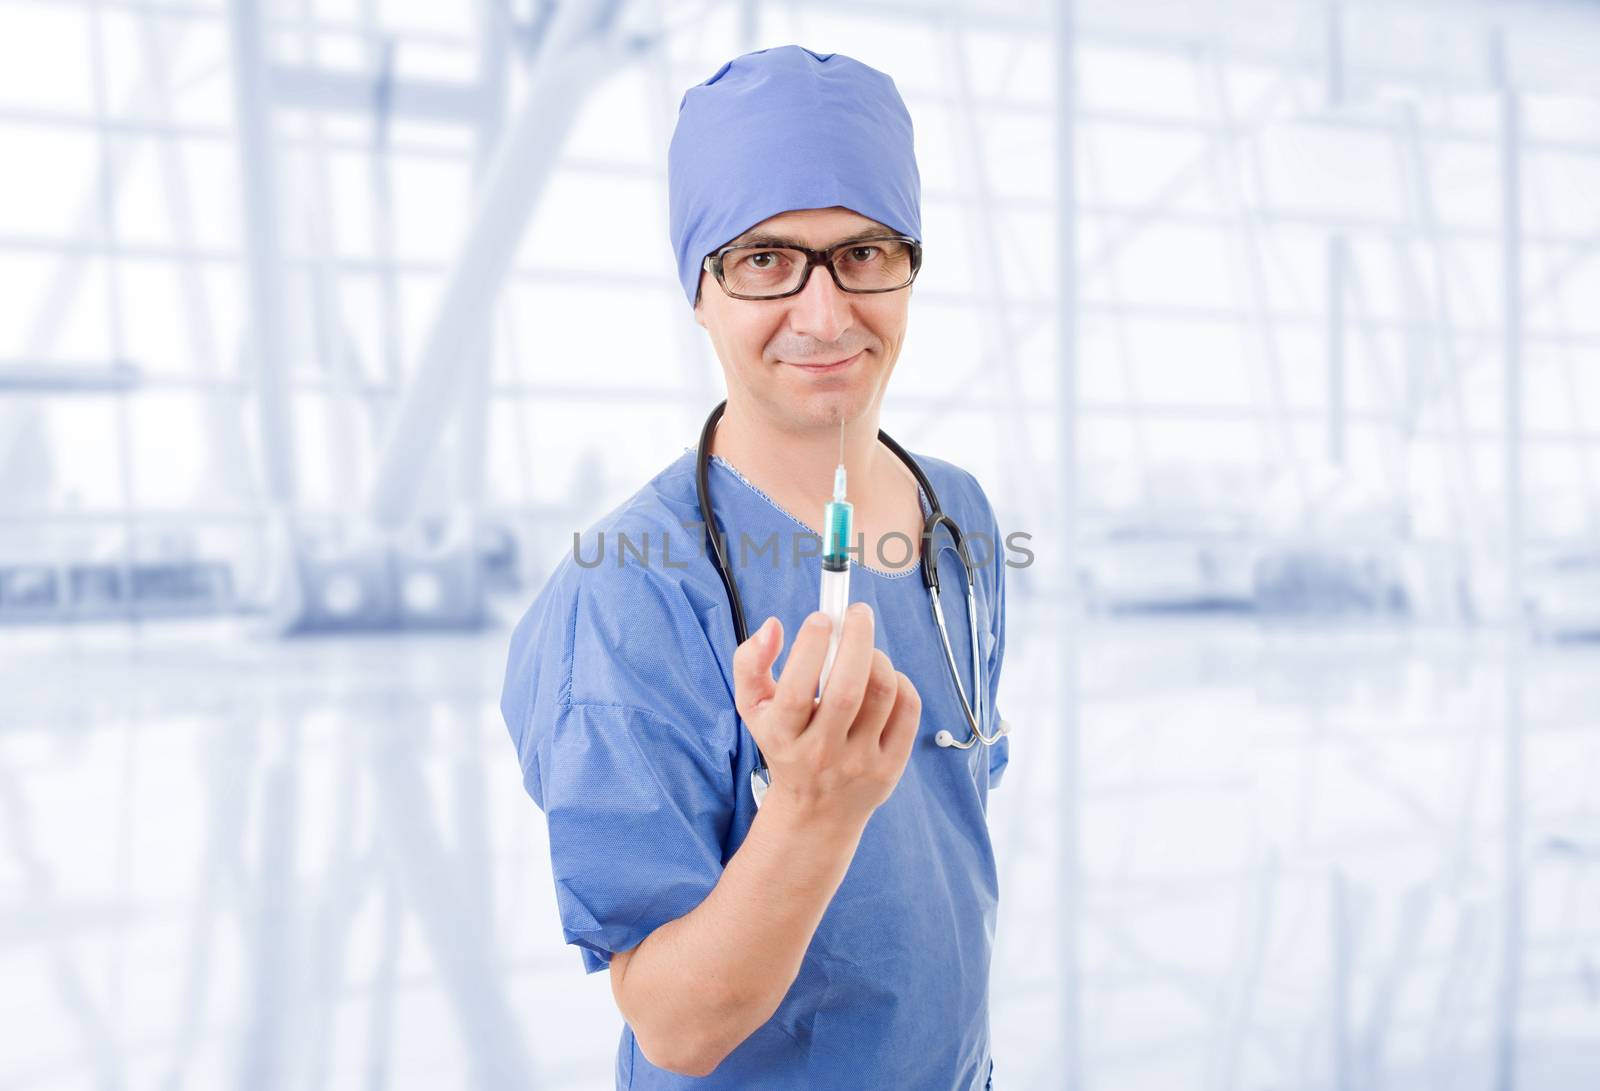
<point>814,258</point>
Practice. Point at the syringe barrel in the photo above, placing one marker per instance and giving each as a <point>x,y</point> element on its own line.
<point>834,601</point>
<point>838,519</point>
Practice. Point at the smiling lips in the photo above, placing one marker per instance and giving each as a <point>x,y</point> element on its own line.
<point>837,365</point>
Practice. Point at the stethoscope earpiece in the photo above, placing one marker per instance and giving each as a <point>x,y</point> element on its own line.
<point>944,738</point>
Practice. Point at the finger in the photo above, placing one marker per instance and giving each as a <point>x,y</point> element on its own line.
<point>883,686</point>
<point>797,685</point>
<point>752,666</point>
<point>900,729</point>
<point>847,681</point>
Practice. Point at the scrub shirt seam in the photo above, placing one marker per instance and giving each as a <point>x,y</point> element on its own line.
<point>922,500</point>
<point>568,704</point>
<point>564,694</point>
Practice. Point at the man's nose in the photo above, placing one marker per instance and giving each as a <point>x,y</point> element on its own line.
<point>820,310</point>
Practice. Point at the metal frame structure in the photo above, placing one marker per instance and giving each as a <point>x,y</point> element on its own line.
<point>309,91</point>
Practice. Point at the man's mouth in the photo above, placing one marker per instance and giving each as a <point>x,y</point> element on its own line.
<point>825,368</point>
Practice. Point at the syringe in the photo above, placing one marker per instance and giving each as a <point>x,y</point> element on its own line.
<point>837,519</point>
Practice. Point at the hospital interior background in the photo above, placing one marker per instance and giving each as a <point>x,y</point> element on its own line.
<point>324,323</point>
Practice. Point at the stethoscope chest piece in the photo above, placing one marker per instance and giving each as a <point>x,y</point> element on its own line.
<point>944,738</point>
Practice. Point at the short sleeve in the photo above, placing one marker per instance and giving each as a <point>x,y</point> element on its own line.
<point>626,731</point>
<point>637,821</point>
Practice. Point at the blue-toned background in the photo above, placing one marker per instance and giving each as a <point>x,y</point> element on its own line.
<point>324,323</point>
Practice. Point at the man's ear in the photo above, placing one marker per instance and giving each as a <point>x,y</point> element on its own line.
<point>699,315</point>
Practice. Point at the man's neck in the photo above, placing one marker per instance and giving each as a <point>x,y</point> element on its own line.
<point>795,466</point>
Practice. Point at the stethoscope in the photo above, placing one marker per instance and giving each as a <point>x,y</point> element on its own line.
<point>930,581</point>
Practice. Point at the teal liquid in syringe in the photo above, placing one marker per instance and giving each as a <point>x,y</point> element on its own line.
<point>837,521</point>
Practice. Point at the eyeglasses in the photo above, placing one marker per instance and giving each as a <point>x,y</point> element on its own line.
<point>882,263</point>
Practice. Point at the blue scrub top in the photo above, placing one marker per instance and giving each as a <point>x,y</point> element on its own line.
<point>619,698</point>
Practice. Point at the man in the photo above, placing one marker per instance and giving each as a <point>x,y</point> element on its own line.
<point>839,936</point>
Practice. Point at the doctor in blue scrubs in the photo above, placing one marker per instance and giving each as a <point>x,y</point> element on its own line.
<point>838,935</point>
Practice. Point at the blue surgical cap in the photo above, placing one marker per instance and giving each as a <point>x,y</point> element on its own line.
<point>782,129</point>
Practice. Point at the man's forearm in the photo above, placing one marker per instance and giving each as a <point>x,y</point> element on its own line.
<point>700,985</point>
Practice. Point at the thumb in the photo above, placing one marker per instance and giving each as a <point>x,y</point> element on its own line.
<point>752,666</point>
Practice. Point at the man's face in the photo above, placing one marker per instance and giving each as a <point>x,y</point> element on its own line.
<point>769,347</point>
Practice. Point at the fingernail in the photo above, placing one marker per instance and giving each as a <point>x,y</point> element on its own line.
<point>861,609</point>
<point>819,620</point>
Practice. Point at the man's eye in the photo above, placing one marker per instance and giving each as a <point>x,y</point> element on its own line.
<point>863,253</point>
<point>764,259</point>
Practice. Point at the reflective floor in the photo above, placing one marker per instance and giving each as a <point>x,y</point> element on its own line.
<point>1305,860</point>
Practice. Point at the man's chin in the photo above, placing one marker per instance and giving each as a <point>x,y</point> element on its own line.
<point>826,408</point>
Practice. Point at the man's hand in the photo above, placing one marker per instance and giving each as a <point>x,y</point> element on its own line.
<point>838,758</point>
